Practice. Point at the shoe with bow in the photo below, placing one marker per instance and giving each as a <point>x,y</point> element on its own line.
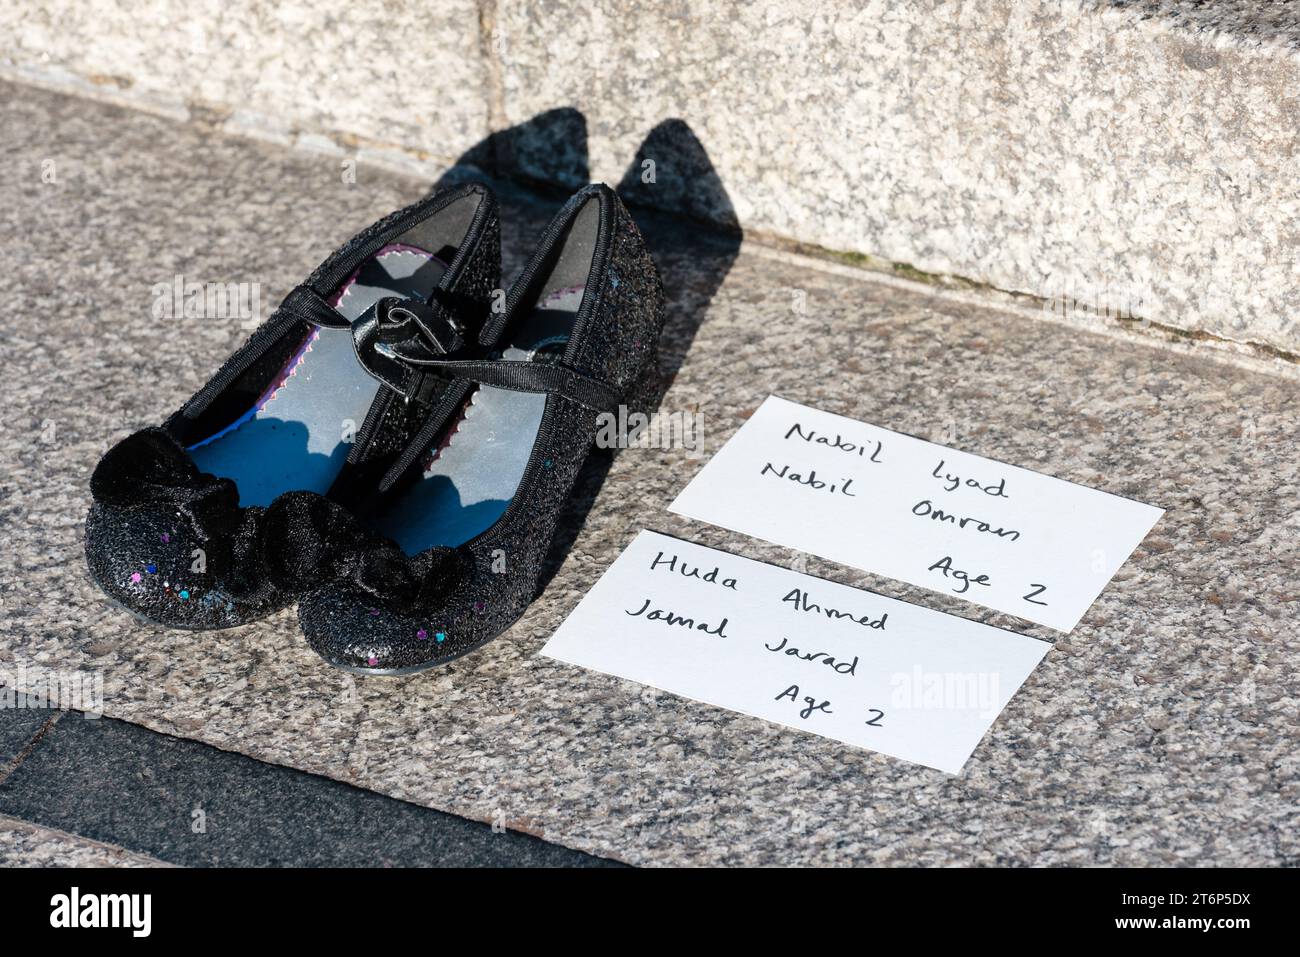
<point>176,531</point>
<point>466,515</point>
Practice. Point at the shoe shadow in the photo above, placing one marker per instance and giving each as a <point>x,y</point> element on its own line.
<point>266,456</point>
<point>547,153</point>
<point>673,190</point>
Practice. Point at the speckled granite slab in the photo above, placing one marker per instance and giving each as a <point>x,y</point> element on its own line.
<point>1162,730</point>
<point>28,845</point>
<point>1134,159</point>
<point>373,73</point>
<point>1122,159</point>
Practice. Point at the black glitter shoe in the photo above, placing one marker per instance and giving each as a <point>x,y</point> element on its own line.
<point>470,509</point>
<point>174,533</point>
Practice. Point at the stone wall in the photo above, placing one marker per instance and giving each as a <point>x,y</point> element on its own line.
<point>1128,158</point>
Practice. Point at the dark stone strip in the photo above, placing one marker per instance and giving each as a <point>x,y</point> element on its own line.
<point>189,803</point>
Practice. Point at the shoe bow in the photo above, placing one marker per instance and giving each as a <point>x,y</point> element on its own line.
<point>309,540</point>
<point>394,336</point>
<point>151,468</point>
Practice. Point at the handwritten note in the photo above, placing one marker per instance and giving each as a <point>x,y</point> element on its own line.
<point>994,534</point>
<point>798,651</point>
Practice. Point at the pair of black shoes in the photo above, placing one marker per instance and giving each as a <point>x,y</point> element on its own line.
<point>392,448</point>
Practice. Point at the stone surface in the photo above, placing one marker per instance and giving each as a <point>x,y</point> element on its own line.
<point>369,74</point>
<point>1161,731</point>
<point>1123,160</point>
<point>189,803</point>
<point>19,727</point>
<point>1256,23</point>
<point>1128,159</point>
<point>23,844</point>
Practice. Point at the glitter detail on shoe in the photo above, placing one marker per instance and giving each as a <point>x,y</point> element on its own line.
<point>372,661</point>
<point>422,635</point>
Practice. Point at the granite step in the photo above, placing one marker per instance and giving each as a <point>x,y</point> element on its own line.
<point>1159,731</point>
<point>23,844</point>
<point>1123,162</point>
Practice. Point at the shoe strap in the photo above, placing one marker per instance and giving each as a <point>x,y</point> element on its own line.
<point>306,304</point>
<point>519,376</point>
<point>434,351</point>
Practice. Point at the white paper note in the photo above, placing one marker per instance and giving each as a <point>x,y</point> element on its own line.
<point>1001,536</point>
<point>796,650</point>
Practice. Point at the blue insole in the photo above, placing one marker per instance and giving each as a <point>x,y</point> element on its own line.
<point>299,435</point>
